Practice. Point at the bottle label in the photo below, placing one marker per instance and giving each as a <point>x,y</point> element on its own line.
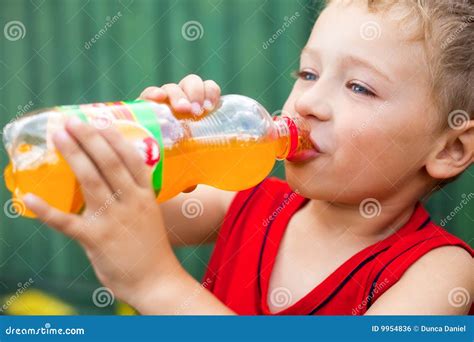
<point>148,141</point>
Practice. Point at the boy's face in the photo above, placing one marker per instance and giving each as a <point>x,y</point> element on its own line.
<point>364,90</point>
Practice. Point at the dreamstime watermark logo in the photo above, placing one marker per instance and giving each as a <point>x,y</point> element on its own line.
<point>458,297</point>
<point>203,286</point>
<point>102,120</point>
<point>102,297</point>
<point>14,30</point>
<point>108,202</point>
<point>378,288</point>
<point>458,119</point>
<point>370,30</point>
<point>14,208</point>
<point>369,208</point>
<point>23,109</point>
<point>47,329</point>
<point>109,22</point>
<point>192,30</point>
<point>466,198</point>
<point>456,32</point>
<point>286,24</point>
<point>280,297</point>
<point>22,287</point>
<point>192,208</point>
<point>287,199</point>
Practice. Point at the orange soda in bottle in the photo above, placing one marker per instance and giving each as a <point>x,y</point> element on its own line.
<point>234,147</point>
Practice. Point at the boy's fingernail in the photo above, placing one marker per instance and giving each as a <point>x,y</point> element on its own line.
<point>208,105</point>
<point>156,93</point>
<point>196,108</point>
<point>183,101</point>
<point>29,199</point>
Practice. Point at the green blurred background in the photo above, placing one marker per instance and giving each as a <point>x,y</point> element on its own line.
<point>53,60</point>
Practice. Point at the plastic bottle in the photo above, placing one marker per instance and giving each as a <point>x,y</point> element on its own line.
<point>232,148</point>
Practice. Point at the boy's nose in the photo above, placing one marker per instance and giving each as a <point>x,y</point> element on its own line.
<point>313,102</point>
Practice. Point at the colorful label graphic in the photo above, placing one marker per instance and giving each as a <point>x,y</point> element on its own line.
<point>148,140</point>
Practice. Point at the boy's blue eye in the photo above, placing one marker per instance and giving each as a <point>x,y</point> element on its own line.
<point>359,89</point>
<point>306,76</point>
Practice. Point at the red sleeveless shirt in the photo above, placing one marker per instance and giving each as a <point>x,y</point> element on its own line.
<point>240,267</point>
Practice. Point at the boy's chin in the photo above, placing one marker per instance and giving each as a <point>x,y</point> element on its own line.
<point>321,186</point>
<point>303,174</point>
<point>304,182</point>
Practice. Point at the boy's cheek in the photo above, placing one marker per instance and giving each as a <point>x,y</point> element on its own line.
<point>383,167</point>
<point>371,158</point>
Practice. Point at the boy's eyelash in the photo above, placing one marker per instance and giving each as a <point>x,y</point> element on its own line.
<point>368,92</point>
<point>297,74</point>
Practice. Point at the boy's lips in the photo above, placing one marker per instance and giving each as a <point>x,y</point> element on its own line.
<point>307,148</point>
<point>315,145</point>
<point>307,153</point>
<point>303,156</point>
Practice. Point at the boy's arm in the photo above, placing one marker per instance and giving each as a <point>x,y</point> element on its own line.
<point>195,217</point>
<point>181,294</point>
<point>439,283</point>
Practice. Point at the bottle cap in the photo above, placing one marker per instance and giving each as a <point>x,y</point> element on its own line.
<point>293,130</point>
<point>293,134</point>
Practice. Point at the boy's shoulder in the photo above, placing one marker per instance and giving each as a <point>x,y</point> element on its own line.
<point>451,259</point>
<point>439,282</point>
<point>428,271</point>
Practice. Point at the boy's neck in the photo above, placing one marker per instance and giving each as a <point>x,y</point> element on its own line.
<point>338,218</point>
<point>391,212</point>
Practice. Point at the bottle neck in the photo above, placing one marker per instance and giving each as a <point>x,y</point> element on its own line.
<point>287,137</point>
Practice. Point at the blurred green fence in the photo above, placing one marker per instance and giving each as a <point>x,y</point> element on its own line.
<point>79,51</point>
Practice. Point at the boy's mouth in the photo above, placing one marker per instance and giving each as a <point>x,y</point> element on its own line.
<point>309,151</point>
<point>315,145</point>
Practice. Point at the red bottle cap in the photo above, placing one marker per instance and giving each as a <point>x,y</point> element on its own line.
<point>293,131</point>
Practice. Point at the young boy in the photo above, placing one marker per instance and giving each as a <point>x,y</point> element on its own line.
<point>385,88</point>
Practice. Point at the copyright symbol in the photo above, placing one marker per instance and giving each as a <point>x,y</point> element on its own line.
<point>416,328</point>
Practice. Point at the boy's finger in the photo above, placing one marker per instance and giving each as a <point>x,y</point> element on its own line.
<point>102,154</point>
<point>193,87</point>
<point>129,155</point>
<point>212,94</point>
<point>65,223</point>
<point>154,94</point>
<point>93,187</point>
<point>177,98</point>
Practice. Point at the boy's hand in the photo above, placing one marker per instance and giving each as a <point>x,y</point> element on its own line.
<point>190,95</point>
<point>121,228</point>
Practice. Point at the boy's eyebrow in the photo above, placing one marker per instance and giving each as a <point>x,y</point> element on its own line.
<point>351,59</point>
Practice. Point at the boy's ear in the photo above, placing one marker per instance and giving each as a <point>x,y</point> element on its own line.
<point>454,154</point>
